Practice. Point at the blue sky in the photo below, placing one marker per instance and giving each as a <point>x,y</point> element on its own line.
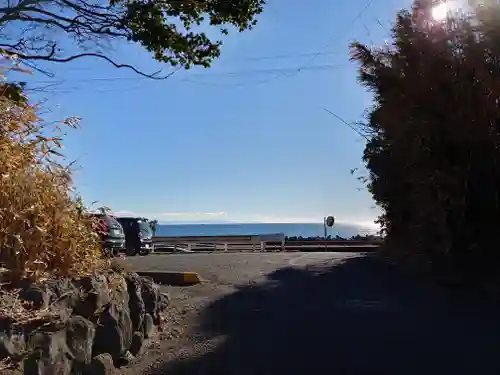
<point>247,140</point>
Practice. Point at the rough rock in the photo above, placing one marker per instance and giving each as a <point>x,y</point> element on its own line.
<point>49,354</point>
<point>101,364</point>
<point>59,295</point>
<point>149,326</point>
<point>114,332</point>
<point>64,294</point>
<point>151,297</point>
<point>136,303</point>
<point>164,301</point>
<point>80,335</point>
<point>95,296</point>
<point>126,358</point>
<point>12,342</point>
<point>118,289</point>
<point>138,344</point>
<point>38,296</point>
<point>104,320</point>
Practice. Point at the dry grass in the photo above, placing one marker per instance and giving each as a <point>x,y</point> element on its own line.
<point>43,232</point>
<point>20,312</point>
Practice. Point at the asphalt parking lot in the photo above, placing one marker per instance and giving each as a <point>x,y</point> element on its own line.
<point>231,268</point>
<point>298,313</point>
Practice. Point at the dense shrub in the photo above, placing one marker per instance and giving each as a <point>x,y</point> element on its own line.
<point>434,137</point>
<point>42,229</point>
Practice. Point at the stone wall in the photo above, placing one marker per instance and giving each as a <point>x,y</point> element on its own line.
<point>80,326</point>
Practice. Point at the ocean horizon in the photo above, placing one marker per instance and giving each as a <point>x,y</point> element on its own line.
<point>288,229</point>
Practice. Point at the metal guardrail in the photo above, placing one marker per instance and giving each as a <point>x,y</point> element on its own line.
<point>255,238</point>
<point>263,246</point>
<point>211,247</point>
<point>219,243</point>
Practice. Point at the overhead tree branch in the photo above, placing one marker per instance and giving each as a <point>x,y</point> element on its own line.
<point>153,24</point>
<point>50,57</point>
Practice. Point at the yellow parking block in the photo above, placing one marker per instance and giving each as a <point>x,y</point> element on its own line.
<point>173,278</point>
<point>191,278</point>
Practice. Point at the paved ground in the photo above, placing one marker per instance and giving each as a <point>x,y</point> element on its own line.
<point>229,268</point>
<point>318,312</point>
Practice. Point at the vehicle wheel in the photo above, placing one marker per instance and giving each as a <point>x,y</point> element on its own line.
<point>116,252</point>
<point>130,251</point>
<point>143,252</point>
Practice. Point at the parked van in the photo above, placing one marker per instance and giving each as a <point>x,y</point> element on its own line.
<point>138,235</point>
<point>111,233</point>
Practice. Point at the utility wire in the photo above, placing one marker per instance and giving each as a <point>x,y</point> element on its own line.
<point>333,39</point>
<point>250,58</point>
<point>353,21</point>
<point>97,89</point>
<point>346,123</point>
<point>234,73</point>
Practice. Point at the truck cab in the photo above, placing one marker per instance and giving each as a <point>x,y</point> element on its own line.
<point>138,235</point>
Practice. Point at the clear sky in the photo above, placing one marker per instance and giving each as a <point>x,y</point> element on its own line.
<point>247,140</point>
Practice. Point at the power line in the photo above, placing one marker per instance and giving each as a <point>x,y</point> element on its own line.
<point>252,58</point>
<point>287,56</point>
<point>346,123</point>
<point>335,38</point>
<point>93,89</point>
<point>315,56</point>
<point>234,73</point>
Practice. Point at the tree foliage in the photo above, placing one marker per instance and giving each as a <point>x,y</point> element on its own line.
<point>44,30</point>
<point>14,92</point>
<point>434,148</point>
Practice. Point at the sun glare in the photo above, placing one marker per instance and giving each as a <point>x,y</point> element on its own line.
<point>439,12</point>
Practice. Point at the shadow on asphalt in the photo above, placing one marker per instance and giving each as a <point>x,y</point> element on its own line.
<point>359,317</point>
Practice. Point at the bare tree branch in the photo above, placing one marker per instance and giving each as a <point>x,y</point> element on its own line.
<point>50,57</point>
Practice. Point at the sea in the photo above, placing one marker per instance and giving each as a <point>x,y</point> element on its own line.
<point>288,229</point>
